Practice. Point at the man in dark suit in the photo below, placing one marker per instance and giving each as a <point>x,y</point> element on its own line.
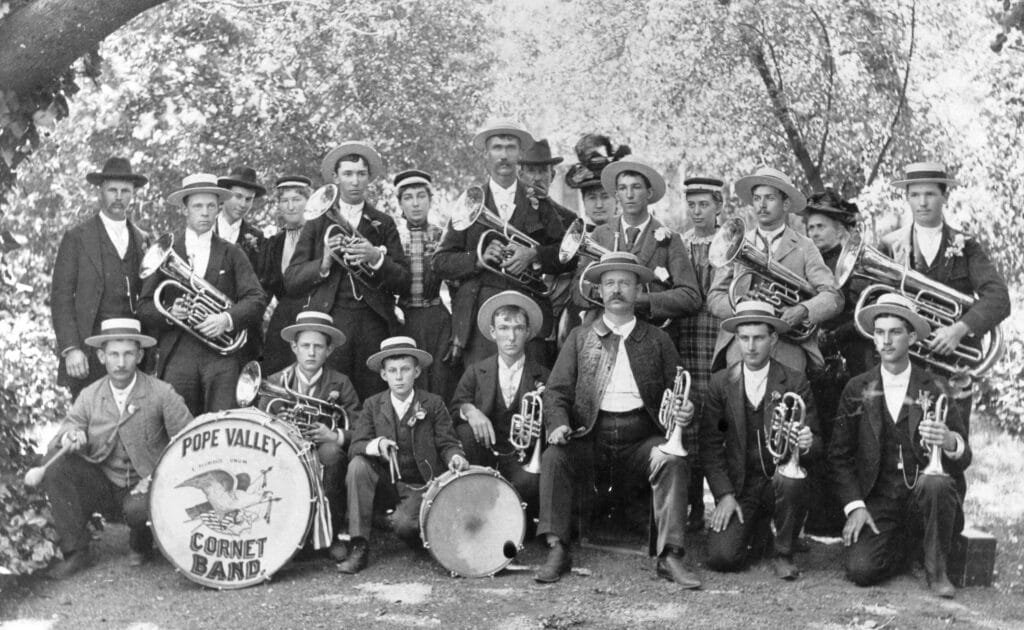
<point>951,257</point>
<point>602,408</point>
<point>736,429</point>
<point>491,391</point>
<point>886,439</point>
<point>364,309</point>
<point>204,377</point>
<point>95,276</point>
<point>114,435</point>
<point>537,171</point>
<point>502,144</point>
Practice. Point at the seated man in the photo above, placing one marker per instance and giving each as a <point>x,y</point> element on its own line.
<point>602,409</point>
<point>491,390</point>
<point>885,417</point>
<point>113,435</point>
<point>400,440</point>
<point>734,436</point>
<point>313,337</point>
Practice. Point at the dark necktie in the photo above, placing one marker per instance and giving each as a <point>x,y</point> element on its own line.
<point>631,235</point>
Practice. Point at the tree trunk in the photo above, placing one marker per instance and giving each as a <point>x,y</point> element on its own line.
<point>40,40</point>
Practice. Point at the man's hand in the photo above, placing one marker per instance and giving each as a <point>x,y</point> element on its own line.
<point>360,251</point>
<point>386,445</point>
<point>724,511</point>
<point>179,309</point>
<point>794,315</point>
<point>802,438</point>
<point>320,434</point>
<point>946,339</point>
<point>143,486</point>
<point>215,325</point>
<point>453,356</point>
<point>334,243</point>
<point>74,440</point>
<point>458,463</point>
<point>937,434</point>
<point>521,259</point>
<point>483,430</point>
<point>494,253</point>
<point>560,435</point>
<point>682,412</point>
<point>855,523</point>
<point>77,363</point>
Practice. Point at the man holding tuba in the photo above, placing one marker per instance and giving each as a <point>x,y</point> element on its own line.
<point>491,391</point>
<point>739,427</point>
<point>186,327</point>
<point>878,455</point>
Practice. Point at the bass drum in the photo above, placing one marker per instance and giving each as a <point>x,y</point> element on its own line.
<point>472,522</point>
<point>232,496</point>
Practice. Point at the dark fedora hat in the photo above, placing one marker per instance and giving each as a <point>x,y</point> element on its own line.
<point>245,177</point>
<point>117,168</point>
<point>831,205</point>
<point>539,153</point>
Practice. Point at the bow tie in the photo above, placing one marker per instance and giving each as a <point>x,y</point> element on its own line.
<point>416,228</point>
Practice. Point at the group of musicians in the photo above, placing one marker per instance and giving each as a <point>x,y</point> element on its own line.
<point>766,322</point>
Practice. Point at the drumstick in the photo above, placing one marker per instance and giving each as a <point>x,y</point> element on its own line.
<point>34,476</point>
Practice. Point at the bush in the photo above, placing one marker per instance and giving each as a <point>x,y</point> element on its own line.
<point>999,392</point>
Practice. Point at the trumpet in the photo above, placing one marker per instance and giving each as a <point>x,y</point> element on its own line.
<point>202,299</point>
<point>787,419</point>
<point>674,433</point>
<point>936,412</point>
<point>301,411</point>
<point>320,202</point>
<point>526,426</point>
<point>470,209</point>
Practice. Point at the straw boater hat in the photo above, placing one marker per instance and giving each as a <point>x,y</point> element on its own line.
<point>898,305</point>
<point>368,153</point>
<point>754,312</point>
<point>398,347</point>
<point>699,185</point>
<point>485,315</point>
<point>612,171</point>
<point>293,181</point>
<point>314,320</point>
<point>412,177</point>
<point>118,329</point>
<point>768,176</point>
<point>198,183</point>
<point>245,177</point>
<point>503,128</point>
<point>540,153</point>
<point>831,205</point>
<point>925,173</point>
<point>618,261</point>
<point>116,168</point>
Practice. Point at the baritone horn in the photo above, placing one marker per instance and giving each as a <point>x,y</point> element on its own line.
<point>935,412</point>
<point>302,411</point>
<point>526,426</point>
<point>788,418</point>
<point>674,433</point>
<point>202,299</point>
<point>320,202</point>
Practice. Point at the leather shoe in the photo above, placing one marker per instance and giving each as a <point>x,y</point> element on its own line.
<point>558,562</point>
<point>338,551</point>
<point>785,569</point>
<point>942,587</point>
<point>71,564</point>
<point>358,557</point>
<point>671,567</point>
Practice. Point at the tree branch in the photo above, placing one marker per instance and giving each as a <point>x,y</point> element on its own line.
<point>830,67</point>
<point>902,97</point>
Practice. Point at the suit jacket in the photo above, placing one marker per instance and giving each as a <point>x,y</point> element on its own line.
<point>433,440</point>
<point>479,384</point>
<point>303,274</point>
<point>272,279</point>
<point>78,285</point>
<point>153,414</point>
<point>250,240</point>
<point>855,450</point>
<point>331,381</point>
<point>723,425</point>
<point>229,271</point>
<point>970,272</point>
<point>798,254</point>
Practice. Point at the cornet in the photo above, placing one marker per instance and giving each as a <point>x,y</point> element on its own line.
<point>787,420</point>
<point>938,414</point>
<point>301,411</point>
<point>674,433</point>
<point>526,426</point>
<point>319,203</point>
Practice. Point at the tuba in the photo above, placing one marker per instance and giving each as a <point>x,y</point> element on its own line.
<point>202,299</point>
<point>939,304</point>
<point>771,282</point>
<point>526,426</point>
<point>470,209</point>
<point>320,202</point>
<point>301,411</point>
<point>787,418</point>
<point>937,412</point>
<point>674,433</point>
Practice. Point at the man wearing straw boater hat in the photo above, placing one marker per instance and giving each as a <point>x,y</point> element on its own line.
<point>749,486</point>
<point>365,310</point>
<point>890,485</point>
<point>953,258</point>
<point>109,444</point>
<point>95,275</point>
<point>773,196</point>
<point>601,413</point>
<point>204,377</point>
<point>402,439</point>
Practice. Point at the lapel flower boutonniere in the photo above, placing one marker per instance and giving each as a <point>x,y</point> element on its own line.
<point>375,223</point>
<point>662,234</point>
<point>955,247</point>
<point>131,408</point>
<point>250,242</point>
<point>661,274</point>
<point>775,397</point>
<point>419,413</point>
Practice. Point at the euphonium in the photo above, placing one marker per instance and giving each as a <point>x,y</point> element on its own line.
<point>939,304</point>
<point>302,411</point>
<point>526,426</point>
<point>674,433</point>
<point>770,282</point>
<point>577,243</point>
<point>787,420</point>
<point>202,299</point>
<point>470,209</point>
<point>320,202</point>
<point>937,413</point>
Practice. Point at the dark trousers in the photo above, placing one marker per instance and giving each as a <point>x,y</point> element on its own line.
<point>431,327</point>
<point>364,330</point>
<point>526,484</point>
<point>78,489</point>
<point>205,379</point>
<point>334,459</point>
<point>668,476</point>
<point>780,498</point>
<point>366,475</point>
<point>277,353</point>
<point>932,508</point>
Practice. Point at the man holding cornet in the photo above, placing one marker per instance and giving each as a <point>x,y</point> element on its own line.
<point>759,419</point>
<point>605,406</point>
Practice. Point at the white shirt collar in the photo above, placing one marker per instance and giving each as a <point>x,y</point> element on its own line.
<point>928,231</point>
<point>516,365</point>
<point>351,213</point>
<point>121,395</point>
<point>624,330</point>
<point>310,382</point>
<point>755,383</point>
<point>773,234</point>
<point>755,375</point>
<point>892,380</point>
<point>192,238</point>
<point>497,190</point>
<point>113,224</point>
<point>402,406</point>
<point>643,226</point>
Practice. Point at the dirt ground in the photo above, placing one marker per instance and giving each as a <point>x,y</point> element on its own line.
<point>402,588</point>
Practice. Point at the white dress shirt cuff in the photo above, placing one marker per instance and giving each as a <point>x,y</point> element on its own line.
<point>958,452</point>
<point>853,505</point>
<point>373,447</point>
<point>65,351</point>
